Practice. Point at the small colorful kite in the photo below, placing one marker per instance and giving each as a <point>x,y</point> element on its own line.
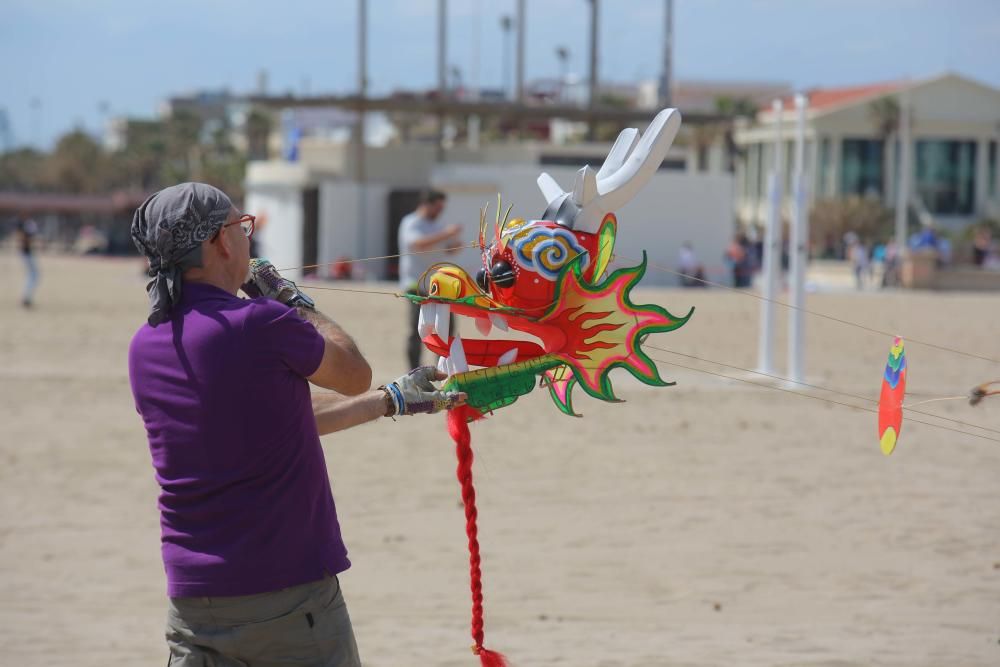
<point>547,278</point>
<point>890,402</point>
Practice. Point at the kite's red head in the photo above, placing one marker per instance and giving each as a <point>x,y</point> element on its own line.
<point>549,278</point>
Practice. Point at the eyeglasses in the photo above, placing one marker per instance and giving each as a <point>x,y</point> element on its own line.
<point>246,222</point>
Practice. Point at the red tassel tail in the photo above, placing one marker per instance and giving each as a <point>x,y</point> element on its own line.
<point>458,429</point>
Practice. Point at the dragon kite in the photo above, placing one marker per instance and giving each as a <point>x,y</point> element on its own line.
<point>547,278</point>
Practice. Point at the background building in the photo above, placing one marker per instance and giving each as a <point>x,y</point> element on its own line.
<point>317,211</point>
<point>853,148</point>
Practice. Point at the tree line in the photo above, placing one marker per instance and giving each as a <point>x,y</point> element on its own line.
<point>153,154</point>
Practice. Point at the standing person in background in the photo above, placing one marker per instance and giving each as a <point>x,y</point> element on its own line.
<point>857,253</point>
<point>981,245</point>
<point>890,272</point>
<point>739,259</point>
<point>692,272</point>
<point>27,233</point>
<point>419,233</point>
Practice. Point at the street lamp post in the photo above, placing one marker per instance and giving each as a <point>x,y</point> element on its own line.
<point>592,101</point>
<point>506,24</point>
<point>562,53</point>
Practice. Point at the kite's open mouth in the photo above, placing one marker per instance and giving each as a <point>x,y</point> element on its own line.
<point>458,354</point>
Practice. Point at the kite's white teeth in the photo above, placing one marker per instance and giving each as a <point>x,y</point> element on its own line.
<point>443,365</point>
<point>507,357</point>
<point>434,318</point>
<point>442,316</point>
<point>425,324</point>
<point>456,357</point>
<point>484,325</point>
<point>498,321</point>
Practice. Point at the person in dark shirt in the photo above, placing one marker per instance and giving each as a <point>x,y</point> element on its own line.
<point>27,233</point>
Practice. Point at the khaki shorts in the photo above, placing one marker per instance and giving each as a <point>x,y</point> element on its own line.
<point>305,625</point>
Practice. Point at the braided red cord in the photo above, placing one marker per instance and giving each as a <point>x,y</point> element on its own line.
<point>458,429</point>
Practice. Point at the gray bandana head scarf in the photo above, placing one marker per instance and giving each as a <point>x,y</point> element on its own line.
<point>169,229</point>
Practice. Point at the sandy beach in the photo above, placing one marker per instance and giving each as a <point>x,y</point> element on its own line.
<point>709,523</point>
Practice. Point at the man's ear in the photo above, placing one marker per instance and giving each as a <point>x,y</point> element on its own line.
<point>223,244</point>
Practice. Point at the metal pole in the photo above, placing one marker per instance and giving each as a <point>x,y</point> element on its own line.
<point>442,57</point>
<point>506,24</point>
<point>799,248</point>
<point>668,45</point>
<point>905,171</point>
<point>519,67</point>
<point>474,85</point>
<point>772,249</point>
<point>359,139</point>
<point>592,102</point>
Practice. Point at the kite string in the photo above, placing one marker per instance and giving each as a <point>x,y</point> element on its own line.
<point>743,292</point>
<point>827,400</point>
<point>658,267</point>
<point>471,244</point>
<point>813,386</point>
<point>369,259</point>
<point>933,400</point>
<point>816,313</point>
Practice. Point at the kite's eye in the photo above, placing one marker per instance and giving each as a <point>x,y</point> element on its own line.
<point>502,273</point>
<point>483,280</point>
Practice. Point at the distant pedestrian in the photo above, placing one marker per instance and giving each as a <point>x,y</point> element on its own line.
<point>982,245</point>
<point>27,235</point>
<point>738,256</point>
<point>691,270</point>
<point>857,253</point>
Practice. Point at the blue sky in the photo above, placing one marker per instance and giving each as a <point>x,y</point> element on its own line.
<point>72,56</point>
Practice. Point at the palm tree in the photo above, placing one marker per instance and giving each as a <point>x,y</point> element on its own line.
<point>77,163</point>
<point>884,115</point>
<point>736,106</point>
<point>562,53</point>
<point>733,107</point>
<point>258,129</point>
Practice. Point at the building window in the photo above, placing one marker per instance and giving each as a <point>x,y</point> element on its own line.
<point>992,170</point>
<point>861,167</point>
<point>822,187</point>
<point>946,176</point>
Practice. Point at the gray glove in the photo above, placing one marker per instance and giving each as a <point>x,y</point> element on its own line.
<point>264,280</point>
<point>414,393</point>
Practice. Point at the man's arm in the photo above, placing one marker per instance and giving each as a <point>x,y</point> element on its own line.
<point>413,393</point>
<point>335,412</point>
<point>431,241</point>
<point>343,368</point>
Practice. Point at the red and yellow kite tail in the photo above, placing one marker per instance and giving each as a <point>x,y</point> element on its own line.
<point>890,402</point>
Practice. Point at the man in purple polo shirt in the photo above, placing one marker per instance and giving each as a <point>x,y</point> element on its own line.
<point>250,539</point>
